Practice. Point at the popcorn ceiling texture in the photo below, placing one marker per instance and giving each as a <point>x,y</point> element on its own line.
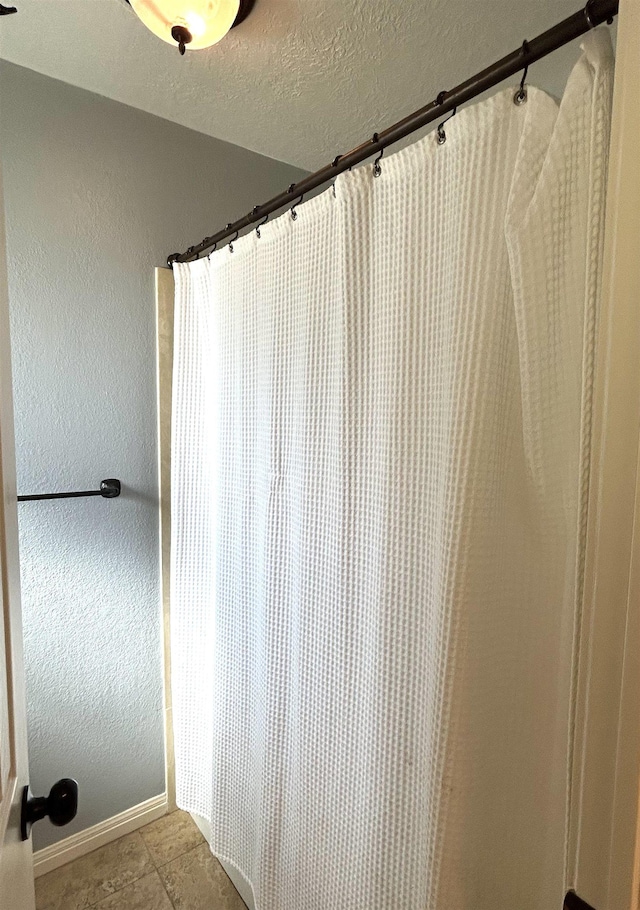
<point>97,194</point>
<point>299,80</point>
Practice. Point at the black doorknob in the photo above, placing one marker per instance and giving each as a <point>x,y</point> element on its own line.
<point>61,805</point>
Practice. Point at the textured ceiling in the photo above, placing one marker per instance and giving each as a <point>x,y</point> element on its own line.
<point>299,80</point>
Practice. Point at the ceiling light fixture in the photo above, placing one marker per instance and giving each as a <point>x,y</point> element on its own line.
<point>192,24</point>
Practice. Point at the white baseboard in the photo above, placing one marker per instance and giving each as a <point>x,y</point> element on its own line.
<point>103,833</point>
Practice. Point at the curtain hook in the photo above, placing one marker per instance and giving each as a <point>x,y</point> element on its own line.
<point>233,239</point>
<point>337,159</point>
<point>377,170</point>
<point>293,212</point>
<point>266,218</point>
<point>290,190</point>
<point>442,136</point>
<point>521,94</point>
<point>334,163</point>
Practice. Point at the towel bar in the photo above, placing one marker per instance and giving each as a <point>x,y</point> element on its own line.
<point>109,489</point>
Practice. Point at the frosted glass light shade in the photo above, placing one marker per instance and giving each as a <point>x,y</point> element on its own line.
<point>207,21</point>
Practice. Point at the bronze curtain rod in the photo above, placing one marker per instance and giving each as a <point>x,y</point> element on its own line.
<point>594,13</point>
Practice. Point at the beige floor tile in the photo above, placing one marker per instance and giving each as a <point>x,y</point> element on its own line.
<point>171,836</point>
<point>146,894</point>
<point>87,880</point>
<point>197,881</point>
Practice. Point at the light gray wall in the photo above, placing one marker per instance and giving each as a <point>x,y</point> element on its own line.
<point>96,195</point>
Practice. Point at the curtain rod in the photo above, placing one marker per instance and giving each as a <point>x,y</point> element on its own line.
<point>594,13</point>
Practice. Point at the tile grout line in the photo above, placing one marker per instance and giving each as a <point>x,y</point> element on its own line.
<point>168,863</point>
<point>174,858</point>
<point>164,888</point>
<point>137,879</point>
<point>158,866</point>
<point>162,866</point>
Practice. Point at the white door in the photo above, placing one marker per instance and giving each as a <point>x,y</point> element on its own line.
<point>16,863</point>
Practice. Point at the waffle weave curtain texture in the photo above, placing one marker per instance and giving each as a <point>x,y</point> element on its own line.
<point>380,459</point>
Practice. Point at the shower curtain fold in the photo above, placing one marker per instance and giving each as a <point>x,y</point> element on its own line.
<point>380,454</point>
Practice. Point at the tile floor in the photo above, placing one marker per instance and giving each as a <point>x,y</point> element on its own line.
<point>165,866</point>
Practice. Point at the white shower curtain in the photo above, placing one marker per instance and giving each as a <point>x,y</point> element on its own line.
<point>380,449</point>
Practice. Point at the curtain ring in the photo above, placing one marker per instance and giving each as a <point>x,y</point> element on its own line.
<point>442,136</point>
<point>520,96</point>
<point>232,241</point>
<point>266,218</point>
<point>293,212</point>
<point>587,14</point>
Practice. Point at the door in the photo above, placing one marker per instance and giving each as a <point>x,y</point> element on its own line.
<point>16,864</point>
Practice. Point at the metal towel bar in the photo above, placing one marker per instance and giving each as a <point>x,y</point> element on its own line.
<point>109,489</point>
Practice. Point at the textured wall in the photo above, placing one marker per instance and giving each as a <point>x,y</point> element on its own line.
<point>96,195</point>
